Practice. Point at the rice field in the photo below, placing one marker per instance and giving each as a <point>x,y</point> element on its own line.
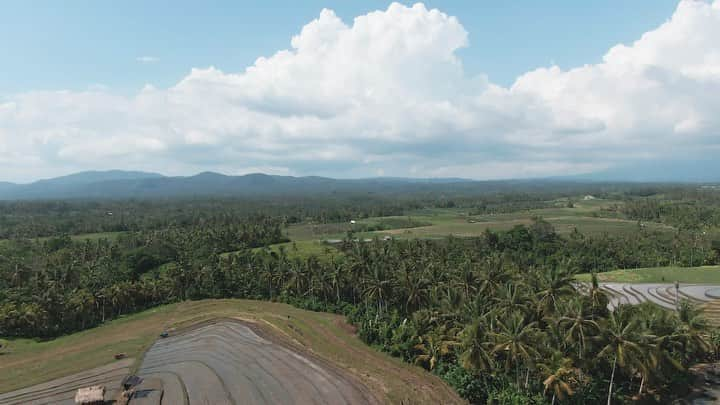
<point>663,295</point>
<point>229,362</point>
<point>436,223</point>
<point>670,274</point>
<point>325,345</point>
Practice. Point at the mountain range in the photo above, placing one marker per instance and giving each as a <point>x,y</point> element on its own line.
<point>132,184</point>
<point>118,184</point>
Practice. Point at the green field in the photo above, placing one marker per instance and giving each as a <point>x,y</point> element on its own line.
<point>694,275</point>
<point>28,362</point>
<point>586,216</point>
<point>81,237</point>
<point>303,249</point>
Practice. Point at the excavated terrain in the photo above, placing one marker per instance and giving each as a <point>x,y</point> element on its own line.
<point>217,362</point>
<point>62,391</point>
<point>227,362</point>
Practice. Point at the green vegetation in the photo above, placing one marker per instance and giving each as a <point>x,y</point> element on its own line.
<point>303,250</point>
<point>491,309</point>
<point>587,217</point>
<point>28,361</point>
<point>692,275</point>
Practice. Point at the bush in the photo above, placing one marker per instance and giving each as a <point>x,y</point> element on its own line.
<point>467,385</point>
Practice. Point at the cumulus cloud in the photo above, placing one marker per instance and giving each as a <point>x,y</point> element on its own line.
<point>387,93</point>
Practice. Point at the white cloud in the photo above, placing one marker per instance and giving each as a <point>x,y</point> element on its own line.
<point>389,91</point>
<point>147,59</point>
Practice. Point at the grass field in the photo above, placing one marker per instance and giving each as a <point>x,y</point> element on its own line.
<point>694,275</point>
<point>29,362</point>
<point>303,249</point>
<point>81,237</point>
<point>586,216</point>
<point>97,236</point>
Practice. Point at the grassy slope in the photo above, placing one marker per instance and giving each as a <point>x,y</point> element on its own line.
<point>29,362</point>
<point>695,275</point>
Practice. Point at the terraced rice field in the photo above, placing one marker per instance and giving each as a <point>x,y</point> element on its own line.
<point>286,353</point>
<point>663,295</point>
<point>62,390</point>
<point>229,363</point>
<point>215,362</point>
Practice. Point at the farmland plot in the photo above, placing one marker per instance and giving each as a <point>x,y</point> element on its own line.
<point>228,363</point>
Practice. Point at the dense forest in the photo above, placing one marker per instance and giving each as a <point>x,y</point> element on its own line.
<point>498,316</point>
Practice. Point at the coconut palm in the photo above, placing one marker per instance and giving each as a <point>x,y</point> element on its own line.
<point>377,286</point>
<point>477,349</point>
<point>515,341</point>
<point>553,285</point>
<point>433,347</point>
<point>577,324</point>
<point>559,376</point>
<point>623,343</point>
<point>512,298</point>
<point>598,298</point>
<point>691,333</point>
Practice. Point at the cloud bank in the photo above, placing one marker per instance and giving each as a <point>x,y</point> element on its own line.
<point>387,94</point>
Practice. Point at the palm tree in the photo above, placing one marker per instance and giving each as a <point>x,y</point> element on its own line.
<point>494,275</point>
<point>415,287</point>
<point>692,330</point>
<point>434,347</point>
<point>553,285</point>
<point>512,298</point>
<point>337,275</point>
<point>515,340</point>
<point>559,376</point>
<point>377,286</point>
<point>578,324</point>
<point>477,354</point>
<point>298,279</point>
<point>598,298</point>
<point>623,342</point>
<point>466,279</point>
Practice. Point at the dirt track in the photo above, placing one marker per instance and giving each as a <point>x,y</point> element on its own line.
<point>62,391</point>
<point>229,362</point>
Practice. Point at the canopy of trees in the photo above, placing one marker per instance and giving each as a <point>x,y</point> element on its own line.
<point>497,316</point>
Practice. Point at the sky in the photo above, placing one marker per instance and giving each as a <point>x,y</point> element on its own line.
<point>473,89</point>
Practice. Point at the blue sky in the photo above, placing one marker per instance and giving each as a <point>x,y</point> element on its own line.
<point>481,89</point>
<point>75,44</point>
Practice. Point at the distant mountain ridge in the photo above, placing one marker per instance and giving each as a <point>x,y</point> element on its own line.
<point>118,184</point>
<point>133,184</point>
<point>94,176</point>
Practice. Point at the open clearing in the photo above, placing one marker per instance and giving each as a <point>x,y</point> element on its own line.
<point>694,275</point>
<point>324,339</point>
<point>302,249</point>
